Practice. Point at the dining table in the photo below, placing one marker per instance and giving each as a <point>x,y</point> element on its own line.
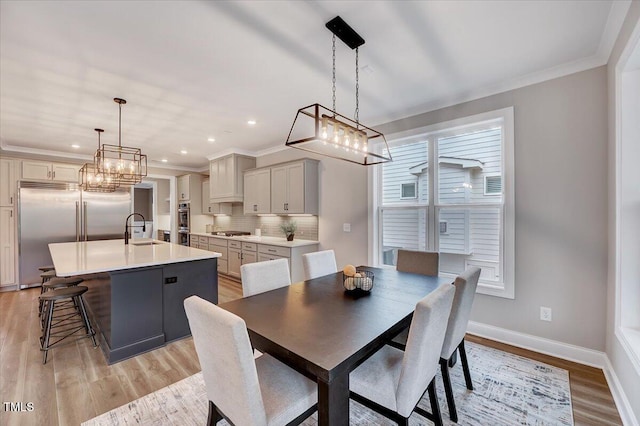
<point>325,332</point>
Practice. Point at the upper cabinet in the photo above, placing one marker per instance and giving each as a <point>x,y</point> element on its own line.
<point>7,182</point>
<point>41,170</point>
<point>213,208</point>
<point>226,180</point>
<point>257,191</point>
<point>294,187</point>
<point>190,190</point>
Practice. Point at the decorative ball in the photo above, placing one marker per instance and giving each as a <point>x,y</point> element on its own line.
<point>349,283</point>
<point>349,270</point>
<point>358,275</point>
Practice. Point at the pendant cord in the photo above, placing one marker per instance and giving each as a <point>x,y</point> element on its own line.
<point>334,74</point>
<point>357,114</point>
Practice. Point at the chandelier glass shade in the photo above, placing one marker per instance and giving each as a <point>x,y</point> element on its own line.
<point>93,180</point>
<point>122,164</point>
<point>323,131</point>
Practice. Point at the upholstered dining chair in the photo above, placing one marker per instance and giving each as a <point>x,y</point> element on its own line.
<point>259,277</point>
<point>319,263</point>
<point>416,262</point>
<point>241,389</point>
<point>391,381</point>
<point>465,285</point>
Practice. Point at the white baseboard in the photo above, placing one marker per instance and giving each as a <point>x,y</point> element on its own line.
<point>620,398</point>
<point>539,344</point>
<point>564,351</point>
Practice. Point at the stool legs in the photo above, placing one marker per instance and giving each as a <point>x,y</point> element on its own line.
<point>85,317</point>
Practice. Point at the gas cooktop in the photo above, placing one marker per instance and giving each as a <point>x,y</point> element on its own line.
<point>230,233</point>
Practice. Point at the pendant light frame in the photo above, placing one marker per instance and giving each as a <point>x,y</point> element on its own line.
<point>91,179</point>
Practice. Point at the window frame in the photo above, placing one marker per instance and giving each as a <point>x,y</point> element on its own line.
<point>506,288</point>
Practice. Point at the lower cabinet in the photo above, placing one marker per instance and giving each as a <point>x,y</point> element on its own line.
<point>7,246</point>
<point>235,260</point>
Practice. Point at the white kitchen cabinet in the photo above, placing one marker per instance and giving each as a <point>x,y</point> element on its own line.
<point>41,170</point>
<point>190,190</point>
<point>235,260</point>
<point>8,182</point>
<point>219,245</point>
<point>7,246</point>
<point>292,254</point>
<point>213,208</point>
<point>294,187</point>
<point>226,179</point>
<point>257,191</point>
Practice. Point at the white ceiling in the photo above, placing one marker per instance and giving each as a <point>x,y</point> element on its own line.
<point>191,70</point>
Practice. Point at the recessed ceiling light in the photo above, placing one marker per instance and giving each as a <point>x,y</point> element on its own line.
<point>75,146</point>
<point>211,140</point>
<point>183,152</point>
<point>164,160</point>
<point>251,122</point>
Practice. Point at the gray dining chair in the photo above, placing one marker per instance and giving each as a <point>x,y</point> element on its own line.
<point>465,284</point>
<point>416,262</point>
<point>391,381</point>
<point>241,389</point>
<point>319,263</point>
<point>259,277</point>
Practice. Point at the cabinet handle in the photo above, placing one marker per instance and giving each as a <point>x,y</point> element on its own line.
<point>11,200</point>
<point>271,250</point>
<point>54,175</point>
<point>48,173</point>
<point>255,207</point>
<point>10,213</point>
<point>209,209</point>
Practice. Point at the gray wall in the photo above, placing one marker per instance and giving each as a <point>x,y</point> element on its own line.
<point>628,376</point>
<point>560,206</point>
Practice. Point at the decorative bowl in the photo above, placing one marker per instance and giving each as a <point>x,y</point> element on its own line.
<point>361,281</point>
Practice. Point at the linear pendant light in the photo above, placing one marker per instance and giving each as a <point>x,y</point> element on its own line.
<point>323,131</point>
<point>91,179</point>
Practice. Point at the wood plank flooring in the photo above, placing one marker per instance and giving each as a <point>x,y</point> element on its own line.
<point>76,384</point>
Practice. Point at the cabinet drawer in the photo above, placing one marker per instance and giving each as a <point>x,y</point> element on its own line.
<point>217,241</point>
<point>274,250</point>
<point>265,257</point>
<point>203,240</point>
<point>235,244</point>
<point>249,246</point>
<point>194,243</point>
<point>219,249</point>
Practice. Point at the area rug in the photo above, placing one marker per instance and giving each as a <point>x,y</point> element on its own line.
<point>508,390</point>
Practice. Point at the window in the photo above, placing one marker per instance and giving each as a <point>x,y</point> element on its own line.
<point>461,203</point>
<point>408,190</point>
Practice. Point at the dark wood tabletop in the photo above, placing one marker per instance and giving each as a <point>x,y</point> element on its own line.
<point>325,332</point>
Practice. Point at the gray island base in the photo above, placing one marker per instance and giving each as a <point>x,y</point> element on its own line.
<point>137,310</point>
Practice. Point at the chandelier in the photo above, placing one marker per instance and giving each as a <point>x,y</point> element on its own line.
<point>91,179</point>
<point>125,165</point>
<point>323,131</point>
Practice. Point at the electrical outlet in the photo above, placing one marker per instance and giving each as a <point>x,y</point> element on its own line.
<point>346,227</point>
<point>545,313</point>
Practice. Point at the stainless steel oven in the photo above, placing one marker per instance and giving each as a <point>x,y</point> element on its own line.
<point>184,219</point>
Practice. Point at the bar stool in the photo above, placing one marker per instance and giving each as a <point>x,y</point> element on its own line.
<point>52,284</point>
<point>67,320</point>
<point>47,268</point>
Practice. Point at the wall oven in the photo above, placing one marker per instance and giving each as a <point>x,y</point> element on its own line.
<point>183,223</point>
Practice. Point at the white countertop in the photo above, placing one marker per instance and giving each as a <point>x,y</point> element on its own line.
<point>88,257</point>
<point>272,241</point>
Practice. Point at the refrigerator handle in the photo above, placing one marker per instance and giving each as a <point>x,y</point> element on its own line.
<point>77,220</point>
<point>84,222</point>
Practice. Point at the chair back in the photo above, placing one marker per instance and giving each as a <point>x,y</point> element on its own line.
<point>422,352</point>
<point>259,277</point>
<point>418,262</point>
<point>226,358</point>
<point>319,263</point>
<point>465,284</point>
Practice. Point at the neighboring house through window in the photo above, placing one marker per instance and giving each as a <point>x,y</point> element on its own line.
<point>460,205</point>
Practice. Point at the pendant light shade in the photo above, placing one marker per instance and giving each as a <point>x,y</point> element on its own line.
<point>92,180</point>
<point>323,131</point>
<point>125,165</point>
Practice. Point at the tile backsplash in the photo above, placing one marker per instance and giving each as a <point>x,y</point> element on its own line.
<point>269,225</point>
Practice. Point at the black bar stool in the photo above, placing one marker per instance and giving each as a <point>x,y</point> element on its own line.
<point>47,268</point>
<point>67,320</point>
<point>52,284</point>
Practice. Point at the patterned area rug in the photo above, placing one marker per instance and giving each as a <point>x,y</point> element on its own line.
<point>508,390</point>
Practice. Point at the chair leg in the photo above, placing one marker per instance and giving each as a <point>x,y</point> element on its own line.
<point>214,416</point>
<point>47,331</point>
<point>435,407</point>
<point>465,365</point>
<point>448,390</point>
<point>402,421</point>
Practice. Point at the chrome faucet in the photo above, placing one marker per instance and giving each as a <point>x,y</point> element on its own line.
<point>127,226</point>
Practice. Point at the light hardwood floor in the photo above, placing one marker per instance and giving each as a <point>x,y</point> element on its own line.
<point>76,384</point>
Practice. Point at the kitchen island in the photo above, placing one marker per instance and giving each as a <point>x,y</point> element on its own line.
<point>136,291</point>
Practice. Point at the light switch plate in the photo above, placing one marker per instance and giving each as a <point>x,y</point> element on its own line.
<point>346,227</point>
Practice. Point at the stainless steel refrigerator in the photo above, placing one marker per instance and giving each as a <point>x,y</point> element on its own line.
<point>51,212</point>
